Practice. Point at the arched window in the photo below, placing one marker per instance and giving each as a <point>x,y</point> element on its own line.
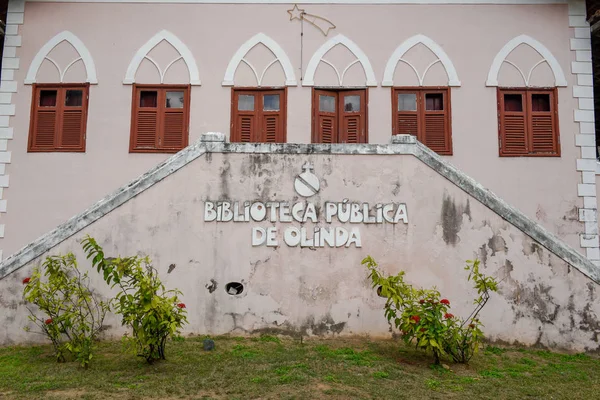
<point>340,73</point>
<point>421,95</point>
<point>60,73</point>
<point>259,72</point>
<point>162,72</point>
<point>526,75</point>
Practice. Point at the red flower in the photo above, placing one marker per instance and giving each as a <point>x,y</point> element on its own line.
<point>181,305</point>
<point>48,321</point>
<point>448,316</point>
<point>26,280</point>
<point>421,301</point>
<point>415,318</point>
<point>423,329</point>
<point>445,301</point>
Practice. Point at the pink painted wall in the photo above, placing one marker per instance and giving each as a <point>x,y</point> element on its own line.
<point>47,189</point>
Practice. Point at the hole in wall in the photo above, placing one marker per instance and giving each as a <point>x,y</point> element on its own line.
<point>234,288</point>
<point>379,291</point>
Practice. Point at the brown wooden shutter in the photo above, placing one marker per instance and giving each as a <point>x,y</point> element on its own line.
<point>325,123</point>
<point>173,130</point>
<point>273,125</point>
<point>173,135</point>
<point>352,120</point>
<point>246,128</point>
<point>44,124</point>
<point>435,132</point>
<point>271,128</point>
<point>73,124</point>
<point>543,127</point>
<point>512,122</point>
<point>244,122</point>
<point>405,122</point>
<point>145,122</point>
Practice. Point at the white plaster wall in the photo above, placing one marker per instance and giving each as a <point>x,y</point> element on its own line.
<point>47,189</point>
<point>324,291</point>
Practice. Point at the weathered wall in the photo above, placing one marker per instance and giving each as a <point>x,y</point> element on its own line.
<point>542,300</point>
<point>46,189</point>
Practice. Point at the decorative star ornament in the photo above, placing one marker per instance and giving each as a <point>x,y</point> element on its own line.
<point>322,24</point>
<point>296,13</point>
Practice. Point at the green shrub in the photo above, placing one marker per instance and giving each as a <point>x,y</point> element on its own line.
<point>423,317</point>
<point>152,312</point>
<point>73,314</point>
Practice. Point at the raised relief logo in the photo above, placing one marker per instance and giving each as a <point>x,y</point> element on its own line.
<point>307,184</point>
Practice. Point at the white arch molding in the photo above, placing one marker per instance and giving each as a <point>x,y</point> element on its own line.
<point>182,49</point>
<point>274,47</point>
<point>559,76</point>
<point>84,56</point>
<point>361,57</point>
<point>442,57</point>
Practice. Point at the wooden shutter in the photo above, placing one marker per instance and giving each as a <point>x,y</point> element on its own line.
<point>244,122</point>
<point>435,132</point>
<point>145,121</point>
<point>405,122</point>
<point>542,125</point>
<point>352,121</point>
<point>273,121</point>
<point>272,128</point>
<point>44,122</point>
<point>72,127</point>
<point>325,123</point>
<point>512,124</point>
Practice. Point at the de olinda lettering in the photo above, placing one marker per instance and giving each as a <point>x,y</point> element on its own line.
<point>306,185</point>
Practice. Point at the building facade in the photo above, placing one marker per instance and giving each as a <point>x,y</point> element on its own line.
<point>447,130</point>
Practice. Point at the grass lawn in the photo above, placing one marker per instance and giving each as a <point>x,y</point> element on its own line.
<point>268,367</point>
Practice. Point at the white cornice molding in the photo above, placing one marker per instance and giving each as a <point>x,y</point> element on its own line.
<point>366,2</point>
<point>64,36</point>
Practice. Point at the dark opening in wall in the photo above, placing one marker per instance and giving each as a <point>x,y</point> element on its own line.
<point>234,288</point>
